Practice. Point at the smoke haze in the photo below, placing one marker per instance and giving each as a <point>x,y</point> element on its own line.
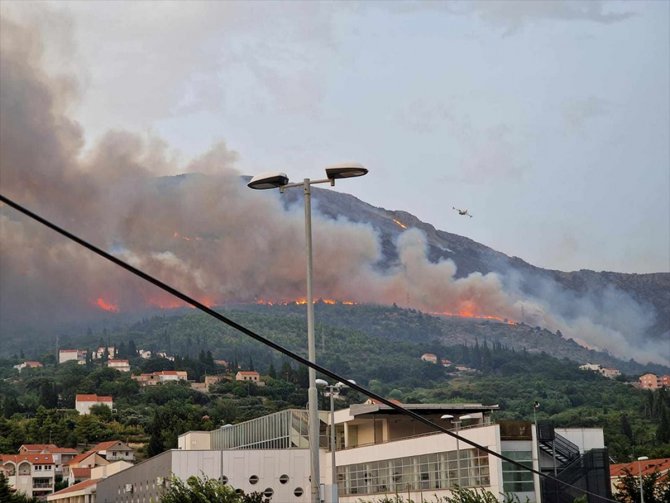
<point>206,234</point>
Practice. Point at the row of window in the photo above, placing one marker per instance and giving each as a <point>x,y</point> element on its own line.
<point>442,470</point>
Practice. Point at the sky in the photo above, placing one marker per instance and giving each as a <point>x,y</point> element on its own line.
<point>548,121</point>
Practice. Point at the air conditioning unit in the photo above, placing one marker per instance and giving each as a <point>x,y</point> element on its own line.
<point>128,488</point>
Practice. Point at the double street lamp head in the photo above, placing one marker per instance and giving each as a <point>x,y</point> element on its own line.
<point>277,179</point>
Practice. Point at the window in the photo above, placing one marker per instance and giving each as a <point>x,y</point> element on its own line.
<point>429,471</point>
<point>515,478</point>
<point>298,491</point>
<point>253,479</point>
<point>283,479</point>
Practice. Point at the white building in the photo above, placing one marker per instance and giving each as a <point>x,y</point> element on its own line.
<point>120,365</point>
<point>28,364</point>
<point>31,474</point>
<point>69,355</point>
<point>379,452</point>
<point>100,352</point>
<point>83,403</point>
<point>161,377</point>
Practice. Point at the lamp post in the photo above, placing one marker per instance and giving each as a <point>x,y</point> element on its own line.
<point>331,389</point>
<point>639,471</point>
<point>456,421</point>
<point>278,180</point>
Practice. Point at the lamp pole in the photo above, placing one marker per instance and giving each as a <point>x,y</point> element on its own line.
<point>331,389</point>
<point>280,181</point>
<point>639,471</point>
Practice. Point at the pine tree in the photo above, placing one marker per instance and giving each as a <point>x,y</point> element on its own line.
<point>663,430</point>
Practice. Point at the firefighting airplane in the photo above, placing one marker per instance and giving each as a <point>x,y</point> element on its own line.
<point>462,212</point>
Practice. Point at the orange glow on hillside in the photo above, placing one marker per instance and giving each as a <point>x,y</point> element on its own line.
<point>106,306</point>
<point>399,223</point>
<point>301,301</point>
<point>467,313</point>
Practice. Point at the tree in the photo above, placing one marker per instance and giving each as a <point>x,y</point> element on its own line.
<point>8,496</point>
<point>663,430</point>
<point>206,490</point>
<point>656,489</point>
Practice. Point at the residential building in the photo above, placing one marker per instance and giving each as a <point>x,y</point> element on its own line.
<point>120,365</point>
<point>100,352</point>
<point>610,373</point>
<point>652,381</point>
<point>161,377</point>
<point>144,353</point>
<point>83,403</point>
<point>637,468</point>
<point>61,455</point>
<point>68,355</point>
<point>31,474</point>
<point>429,357</point>
<point>88,459</point>
<point>77,475</point>
<point>379,452</point>
<point>248,375</point>
<point>115,450</point>
<point>28,364</point>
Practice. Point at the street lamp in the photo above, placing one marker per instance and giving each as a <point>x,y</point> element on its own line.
<point>456,421</point>
<point>639,471</point>
<point>331,388</point>
<point>278,180</point>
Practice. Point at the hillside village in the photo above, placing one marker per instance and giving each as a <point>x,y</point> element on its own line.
<point>68,475</point>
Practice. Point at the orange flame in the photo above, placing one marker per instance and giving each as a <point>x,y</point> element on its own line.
<point>400,224</point>
<point>106,306</point>
<point>302,301</point>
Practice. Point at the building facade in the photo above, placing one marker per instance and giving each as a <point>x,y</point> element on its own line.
<point>83,403</point>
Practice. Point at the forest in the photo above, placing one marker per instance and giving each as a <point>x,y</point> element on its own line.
<point>37,405</point>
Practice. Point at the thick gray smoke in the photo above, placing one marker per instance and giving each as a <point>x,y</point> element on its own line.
<point>207,235</point>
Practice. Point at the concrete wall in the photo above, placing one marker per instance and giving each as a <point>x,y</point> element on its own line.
<point>237,466</point>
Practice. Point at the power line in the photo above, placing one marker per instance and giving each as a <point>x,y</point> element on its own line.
<point>211,312</point>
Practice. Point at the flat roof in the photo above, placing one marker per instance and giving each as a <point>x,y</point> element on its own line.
<point>421,408</point>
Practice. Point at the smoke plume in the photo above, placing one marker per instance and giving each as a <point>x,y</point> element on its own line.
<point>205,234</point>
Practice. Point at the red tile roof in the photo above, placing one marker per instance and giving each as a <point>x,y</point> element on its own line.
<point>93,398</point>
<point>38,447</point>
<point>81,473</point>
<point>81,457</point>
<point>39,459</point>
<point>647,467</point>
<point>78,486</point>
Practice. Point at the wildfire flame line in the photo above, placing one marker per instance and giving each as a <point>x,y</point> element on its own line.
<point>399,223</point>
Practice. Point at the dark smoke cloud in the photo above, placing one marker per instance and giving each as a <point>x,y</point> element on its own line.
<point>207,235</point>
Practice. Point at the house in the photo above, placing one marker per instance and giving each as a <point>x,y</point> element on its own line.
<point>248,375</point>
<point>652,381</point>
<point>647,467</point>
<point>88,459</point>
<point>83,403</point>
<point>161,377</point>
<point>75,355</point>
<point>378,452</point>
<point>429,357</point>
<point>32,474</point>
<point>144,353</point>
<point>61,455</point>
<point>77,474</point>
<point>120,365</point>
<point>610,373</point>
<point>28,364</point>
<point>85,492</point>
<point>100,352</point>
<point>115,450</point>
